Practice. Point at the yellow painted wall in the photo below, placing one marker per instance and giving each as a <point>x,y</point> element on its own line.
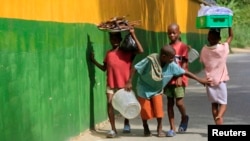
<point>154,15</point>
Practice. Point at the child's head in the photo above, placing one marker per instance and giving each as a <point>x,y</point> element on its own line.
<point>115,39</point>
<point>173,32</point>
<point>214,36</point>
<point>167,54</point>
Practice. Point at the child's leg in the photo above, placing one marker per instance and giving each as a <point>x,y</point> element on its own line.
<point>182,109</point>
<point>218,93</point>
<point>126,128</point>
<point>170,109</point>
<point>126,121</point>
<point>219,121</point>
<point>157,103</point>
<point>159,128</point>
<point>179,94</point>
<point>221,111</point>
<point>215,111</point>
<point>146,113</point>
<point>159,124</point>
<point>170,92</point>
<point>221,107</point>
<point>111,112</point>
<point>146,128</point>
<point>184,117</point>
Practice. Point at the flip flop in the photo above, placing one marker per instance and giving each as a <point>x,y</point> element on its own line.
<point>161,134</point>
<point>171,133</point>
<point>183,126</point>
<point>111,134</point>
<point>126,128</point>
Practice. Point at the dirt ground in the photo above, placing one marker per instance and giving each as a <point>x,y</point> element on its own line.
<point>240,50</point>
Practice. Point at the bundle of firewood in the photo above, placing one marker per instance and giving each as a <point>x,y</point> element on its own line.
<point>117,24</point>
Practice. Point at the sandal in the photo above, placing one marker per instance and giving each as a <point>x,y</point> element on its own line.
<point>171,133</point>
<point>111,134</point>
<point>126,128</point>
<point>183,126</point>
<point>161,134</point>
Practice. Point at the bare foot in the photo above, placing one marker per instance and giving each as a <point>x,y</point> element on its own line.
<point>218,120</point>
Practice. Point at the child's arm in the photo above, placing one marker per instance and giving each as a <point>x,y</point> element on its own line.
<point>203,81</point>
<point>230,35</point>
<point>92,59</point>
<point>183,66</point>
<point>132,32</point>
<point>179,79</point>
<point>128,86</point>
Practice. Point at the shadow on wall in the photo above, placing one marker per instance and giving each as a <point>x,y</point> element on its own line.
<point>92,83</point>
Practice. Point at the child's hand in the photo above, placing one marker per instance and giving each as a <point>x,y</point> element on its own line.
<point>189,47</point>
<point>205,81</point>
<point>178,82</point>
<point>208,81</point>
<point>131,29</point>
<point>128,86</point>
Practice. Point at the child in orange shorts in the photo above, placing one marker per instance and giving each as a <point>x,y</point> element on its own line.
<point>155,71</point>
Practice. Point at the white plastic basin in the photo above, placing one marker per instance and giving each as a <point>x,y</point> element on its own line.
<point>126,103</point>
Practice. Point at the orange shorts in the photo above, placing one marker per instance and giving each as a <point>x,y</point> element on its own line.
<point>151,108</point>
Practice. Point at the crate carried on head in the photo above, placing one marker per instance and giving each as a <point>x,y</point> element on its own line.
<point>214,17</point>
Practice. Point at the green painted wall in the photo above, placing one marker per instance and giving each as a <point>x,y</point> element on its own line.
<point>47,92</point>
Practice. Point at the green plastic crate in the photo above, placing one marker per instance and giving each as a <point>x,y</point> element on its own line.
<point>214,21</point>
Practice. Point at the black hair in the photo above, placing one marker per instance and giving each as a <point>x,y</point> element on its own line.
<point>215,32</point>
<point>168,50</point>
<point>116,34</point>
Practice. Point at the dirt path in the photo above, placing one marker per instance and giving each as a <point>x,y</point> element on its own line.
<point>241,50</point>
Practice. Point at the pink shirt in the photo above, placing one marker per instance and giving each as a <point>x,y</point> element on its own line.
<point>118,68</point>
<point>214,59</point>
<point>181,51</point>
